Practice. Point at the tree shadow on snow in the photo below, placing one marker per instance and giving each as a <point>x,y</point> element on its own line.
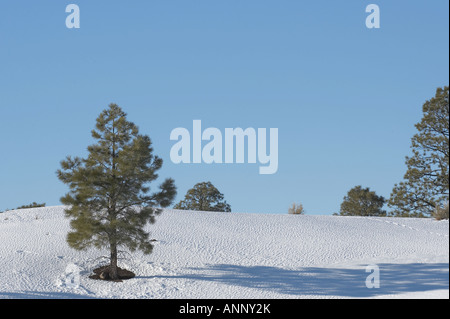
<point>394,279</point>
<point>41,295</point>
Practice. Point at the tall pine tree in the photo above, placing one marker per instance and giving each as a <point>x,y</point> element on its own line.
<point>109,202</point>
<point>426,184</point>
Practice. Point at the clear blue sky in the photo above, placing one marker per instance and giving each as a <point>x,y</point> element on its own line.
<point>344,98</point>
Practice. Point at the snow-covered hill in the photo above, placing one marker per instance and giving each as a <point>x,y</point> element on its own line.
<point>232,255</point>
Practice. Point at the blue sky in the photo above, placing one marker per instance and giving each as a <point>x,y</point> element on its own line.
<point>344,98</point>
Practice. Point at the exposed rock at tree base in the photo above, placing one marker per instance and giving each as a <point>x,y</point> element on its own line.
<point>102,273</point>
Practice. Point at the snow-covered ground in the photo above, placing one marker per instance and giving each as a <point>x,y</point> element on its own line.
<point>233,255</point>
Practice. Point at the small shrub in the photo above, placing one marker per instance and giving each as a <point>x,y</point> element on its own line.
<point>441,213</point>
<point>296,209</point>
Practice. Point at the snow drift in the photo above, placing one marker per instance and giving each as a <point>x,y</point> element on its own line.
<point>232,255</point>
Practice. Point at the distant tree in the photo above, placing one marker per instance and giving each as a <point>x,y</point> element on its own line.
<point>362,202</point>
<point>426,182</point>
<point>204,197</point>
<point>32,205</point>
<point>108,200</point>
<point>296,209</point>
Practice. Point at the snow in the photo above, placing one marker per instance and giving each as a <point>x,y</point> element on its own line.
<point>212,255</point>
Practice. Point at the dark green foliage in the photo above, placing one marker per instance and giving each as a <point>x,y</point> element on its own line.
<point>362,202</point>
<point>204,197</point>
<point>426,182</point>
<point>108,202</point>
<point>32,205</point>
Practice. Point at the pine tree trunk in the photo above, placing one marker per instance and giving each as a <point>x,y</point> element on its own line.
<point>113,258</point>
<point>113,273</point>
<point>113,266</point>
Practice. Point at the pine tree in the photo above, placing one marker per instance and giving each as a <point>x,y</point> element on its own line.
<point>204,197</point>
<point>108,202</point>
<point>362,202</point>
<point>426,184</point>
